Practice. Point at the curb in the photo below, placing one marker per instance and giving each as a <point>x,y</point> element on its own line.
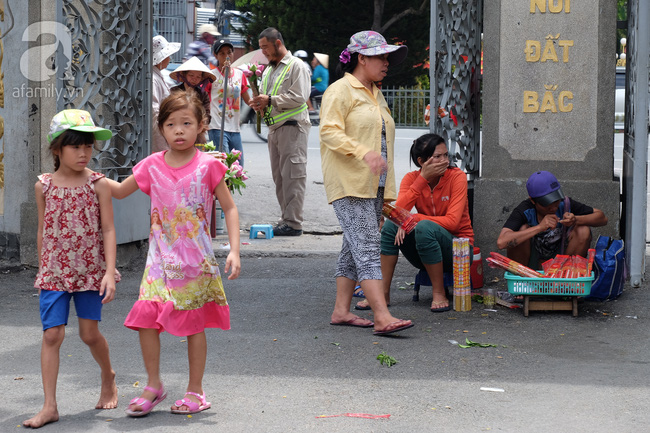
<point>305,246</point>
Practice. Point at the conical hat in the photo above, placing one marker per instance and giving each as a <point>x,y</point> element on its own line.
<point>194,64</point>
<point>323,59</point>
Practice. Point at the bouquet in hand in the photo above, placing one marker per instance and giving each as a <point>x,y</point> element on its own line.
<point>254,76</point>
<point>236,176</point>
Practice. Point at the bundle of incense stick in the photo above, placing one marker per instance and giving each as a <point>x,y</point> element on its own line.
<point>462,286</point>
<point>399,216</point>
<point>497,260</point>
<point>591,255</point>
<point>563,266</point>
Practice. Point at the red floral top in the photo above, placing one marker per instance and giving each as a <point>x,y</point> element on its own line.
<point>72,251</point>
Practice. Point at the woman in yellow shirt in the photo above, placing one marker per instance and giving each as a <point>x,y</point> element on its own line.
<point>357,135</point>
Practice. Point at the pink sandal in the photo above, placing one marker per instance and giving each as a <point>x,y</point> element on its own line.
<point>192,406</point>
<point>146,405</point>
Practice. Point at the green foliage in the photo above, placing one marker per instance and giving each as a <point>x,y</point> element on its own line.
<point>422,82</point>
<point>386,360</point>
<point>470,343</point>
<point>326,28</point>
<point>621,9</point>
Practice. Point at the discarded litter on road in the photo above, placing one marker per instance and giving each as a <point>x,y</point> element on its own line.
<point>356,415</point>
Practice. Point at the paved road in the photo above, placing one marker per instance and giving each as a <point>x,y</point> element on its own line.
<point>282,365</point>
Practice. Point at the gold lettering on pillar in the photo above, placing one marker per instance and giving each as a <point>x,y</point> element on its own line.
<point>554,6</point>
<point>549,101</point>
<point>535,53</point>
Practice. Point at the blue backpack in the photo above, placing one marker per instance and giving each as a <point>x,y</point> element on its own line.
<point>609,269</point>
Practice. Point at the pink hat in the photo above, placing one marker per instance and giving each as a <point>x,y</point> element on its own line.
<point>371,43</point>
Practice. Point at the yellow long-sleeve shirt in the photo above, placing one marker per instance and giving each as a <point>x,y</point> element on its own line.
<point>350,127</point>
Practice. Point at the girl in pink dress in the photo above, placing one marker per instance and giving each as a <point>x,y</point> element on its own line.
<point>76,249</point>
<point>187,295</point>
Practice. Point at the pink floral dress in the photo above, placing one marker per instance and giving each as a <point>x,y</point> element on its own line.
<point>181,291</point>
<point>72,253</point>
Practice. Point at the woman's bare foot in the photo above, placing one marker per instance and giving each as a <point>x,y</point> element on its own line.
<point>350,320</point>
<point>365,305</point>
<point>45,416</point>
<point>108,395</point>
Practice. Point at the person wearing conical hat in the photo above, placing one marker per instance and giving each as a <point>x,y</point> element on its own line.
<point>194,74</point>
<point>320,78</point>
<point>162,50</point>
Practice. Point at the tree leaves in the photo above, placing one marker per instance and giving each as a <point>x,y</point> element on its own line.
<point>320,27</point>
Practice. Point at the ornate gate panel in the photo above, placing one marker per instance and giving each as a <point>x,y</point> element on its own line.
<point>109,75</point>
<point>455,48</point>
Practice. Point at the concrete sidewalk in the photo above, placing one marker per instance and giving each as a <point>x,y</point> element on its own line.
<point>304,246</point>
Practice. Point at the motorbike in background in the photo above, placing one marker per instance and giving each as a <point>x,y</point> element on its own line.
<point>314,117</point>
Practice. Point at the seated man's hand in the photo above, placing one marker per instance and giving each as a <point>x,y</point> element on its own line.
<point>549,222</point>
<point>568,219</point>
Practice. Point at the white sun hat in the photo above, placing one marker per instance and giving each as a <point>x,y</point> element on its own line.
<point>163,49</point>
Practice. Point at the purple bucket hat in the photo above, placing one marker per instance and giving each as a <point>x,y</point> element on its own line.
<point>370,43</point>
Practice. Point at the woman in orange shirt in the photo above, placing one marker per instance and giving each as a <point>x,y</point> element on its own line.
<point>439,193</point>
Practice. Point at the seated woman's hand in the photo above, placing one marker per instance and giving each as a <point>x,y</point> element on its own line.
<point>399,236</point>
<point>433,169</point>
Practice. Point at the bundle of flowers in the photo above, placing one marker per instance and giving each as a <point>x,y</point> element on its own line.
<point>236,176</point>
<point>254,76</point>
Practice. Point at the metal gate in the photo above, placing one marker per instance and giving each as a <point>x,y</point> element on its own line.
<point>455,50</point>
<point>170,21</point>
<point>110,76</point>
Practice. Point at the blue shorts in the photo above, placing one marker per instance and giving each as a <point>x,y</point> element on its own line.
<point>55,306</point>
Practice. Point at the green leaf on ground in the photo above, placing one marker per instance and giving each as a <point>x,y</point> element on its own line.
<point>469,343</point>
<point>386,360</point>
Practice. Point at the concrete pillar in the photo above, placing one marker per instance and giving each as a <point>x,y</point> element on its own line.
<point>548,104</point>
<point>21,135</point>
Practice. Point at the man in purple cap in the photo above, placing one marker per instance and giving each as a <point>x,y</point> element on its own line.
<point>547,224</point>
